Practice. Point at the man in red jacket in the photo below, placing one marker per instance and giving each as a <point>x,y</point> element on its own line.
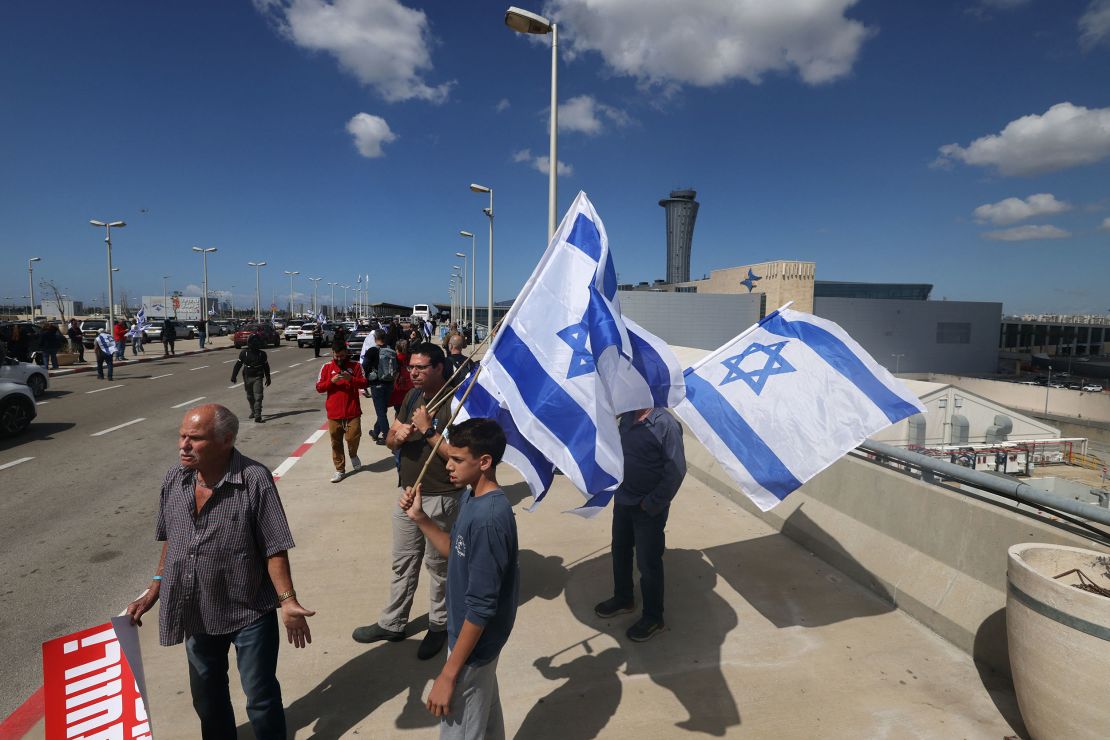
<point>342,379</point>
<point>119,333</point>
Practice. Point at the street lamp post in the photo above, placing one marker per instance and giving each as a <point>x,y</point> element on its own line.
<point>204,252</point>
<point>315,297</point>
<point>333,300</point>
<point>291,275</point>
<point>474,187</point>
<point>257,292</point>
<point>345,289</point>
<point>108,240</point>
<point>31,282</point>
<point>473,272</point>
<point>463,307</point>
<point>524,21</point>
<point>1047,388</point>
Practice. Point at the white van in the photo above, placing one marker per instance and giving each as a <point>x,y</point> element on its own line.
<point>421,311</point>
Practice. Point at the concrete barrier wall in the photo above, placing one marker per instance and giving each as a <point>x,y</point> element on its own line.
<point>1061,401</point>
<point>937,554</point>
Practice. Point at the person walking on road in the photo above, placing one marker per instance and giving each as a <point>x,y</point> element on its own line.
<point>414,434</point>
<point>119,333</point>
<point>76,340</point>
<point>105,348</point>
<point>256,374</point>
<point>169,336</point>
<point>224,577</point>
<point>136,335</point>
<point>380,366</point>
<point>202,332</point>
<point>342,379</point>
<point>654,467</point>
<point>317,338</point>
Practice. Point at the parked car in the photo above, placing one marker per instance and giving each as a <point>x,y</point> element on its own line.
<point>32,331</point>
<point>216,329</point>
<point>269,334</point>
<point>17,408</point>
<point>90,328</point>
<point>357,337</point>
<point>305,338</point>
<point>1092,388</point>
<point>154,330</point>
<point>33,376</point>
<point>292,329</point>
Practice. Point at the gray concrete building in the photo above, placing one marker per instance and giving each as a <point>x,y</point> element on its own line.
<point>682,212</point>
<point>701,320</point>
<point>913,336</point>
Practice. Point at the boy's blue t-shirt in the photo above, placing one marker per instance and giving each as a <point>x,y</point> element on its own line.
<point>483,579</point>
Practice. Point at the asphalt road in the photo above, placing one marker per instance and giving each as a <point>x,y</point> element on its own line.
<point>77,519</point>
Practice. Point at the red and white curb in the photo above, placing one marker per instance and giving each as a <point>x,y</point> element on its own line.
<point>28,714</point>
<point>298,453</point>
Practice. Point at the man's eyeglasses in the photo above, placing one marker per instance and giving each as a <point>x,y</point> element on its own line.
<point>421,368</point>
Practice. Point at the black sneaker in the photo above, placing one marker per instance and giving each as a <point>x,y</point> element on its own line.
<point>644,630</point>
<point>612,607</point>
<point>375,633</point>
<point>432,643</point>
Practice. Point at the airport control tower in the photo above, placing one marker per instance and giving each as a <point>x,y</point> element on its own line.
<point>682,211</point>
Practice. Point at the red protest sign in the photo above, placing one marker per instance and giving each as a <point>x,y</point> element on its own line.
<point>89,687</point>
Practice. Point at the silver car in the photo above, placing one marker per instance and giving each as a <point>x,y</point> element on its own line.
<point>33,376</point>
<point>17,408</point>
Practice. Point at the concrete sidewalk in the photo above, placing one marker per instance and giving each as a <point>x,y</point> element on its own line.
<point>764,639</point>
<point>153,353</point>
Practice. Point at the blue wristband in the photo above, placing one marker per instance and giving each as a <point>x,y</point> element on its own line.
<point>157,578</point>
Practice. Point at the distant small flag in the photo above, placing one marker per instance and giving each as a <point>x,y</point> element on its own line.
<point>141,318</point>
<point>273,316</point>
<point>211,312</point>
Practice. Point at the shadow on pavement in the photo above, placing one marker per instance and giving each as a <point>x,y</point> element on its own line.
<point>295,412</point>
<point>991,647</point>
<point>37,431</point>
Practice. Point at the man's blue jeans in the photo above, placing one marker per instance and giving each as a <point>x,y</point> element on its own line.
<point>103,359</point>
<point>635,529</point>
<point>201,336</point>
<point>256,652</point>
<point>380,393</point>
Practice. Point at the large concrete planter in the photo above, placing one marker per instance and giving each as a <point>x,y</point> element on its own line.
<point>1059,638</point>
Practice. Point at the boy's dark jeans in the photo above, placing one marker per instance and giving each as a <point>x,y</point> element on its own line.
<point>635,529</point>
<point>380,394</point>
<point>256,652</point>
<point>101,361</point>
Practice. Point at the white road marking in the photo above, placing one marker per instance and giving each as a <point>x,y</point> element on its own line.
<point>286,464</point>
<point>295,364</point>
<point>198,398</point>
<point>275,372</point>
<point>13,463</point>
<point>106,388</point>
<point>234,386</point>
<point>161,376</point>
<point>227,361</point>
<point>198,368</point>
<point>315,436</point>
<point>41,403</point>
<point>118,426</point>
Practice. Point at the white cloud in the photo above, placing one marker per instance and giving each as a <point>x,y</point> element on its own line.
<point>192,289</point>
<point>1065,136</point>
<point>502,105</point>
<point>370,132</point>
<point>542,164</point>
<point>710,42</point>
<point>1094,24</point>
<point>584,114</point>
<point>1025,233</point>
<point>1012,210</point>
<point>1105,225</point>
<point>384,44</point>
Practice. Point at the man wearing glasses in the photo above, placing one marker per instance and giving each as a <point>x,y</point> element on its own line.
<point>413,435</point>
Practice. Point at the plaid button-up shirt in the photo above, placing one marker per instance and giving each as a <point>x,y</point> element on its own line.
<point>215,580</point>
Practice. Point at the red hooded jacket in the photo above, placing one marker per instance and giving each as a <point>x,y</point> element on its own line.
<point>342,402</point>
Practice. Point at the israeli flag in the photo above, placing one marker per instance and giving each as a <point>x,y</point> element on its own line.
<point>786,399</point>
<point>564,359</point>
<point>484,402</point>
<point>141,319</point>
<point>320,318</point>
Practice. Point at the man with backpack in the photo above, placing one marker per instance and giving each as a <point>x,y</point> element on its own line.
<point>380,365</point>
<point>256,372</point>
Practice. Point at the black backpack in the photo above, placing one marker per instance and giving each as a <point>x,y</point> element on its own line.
<point>386,371</point>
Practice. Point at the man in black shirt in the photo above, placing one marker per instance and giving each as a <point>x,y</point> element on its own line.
<point>256,369</point>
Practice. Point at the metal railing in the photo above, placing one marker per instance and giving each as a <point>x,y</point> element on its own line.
<point>931,468</point>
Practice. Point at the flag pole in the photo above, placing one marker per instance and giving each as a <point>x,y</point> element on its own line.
<point>749,330</point>
<point>439,397</point>
<point>443,432</point>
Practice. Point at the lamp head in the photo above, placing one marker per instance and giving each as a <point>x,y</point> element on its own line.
<point>460,254</point>
<point>117,224</point>
<point>524,21</point>
<point>476,188</point>
<point>94,222</point>
<point>35,259</point>
<point>466,233</point>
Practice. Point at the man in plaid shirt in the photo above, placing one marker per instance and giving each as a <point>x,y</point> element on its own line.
<point>223,576</point>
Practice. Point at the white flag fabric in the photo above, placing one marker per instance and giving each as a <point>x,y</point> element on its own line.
<point>782,402</point>
<point>562,363</point>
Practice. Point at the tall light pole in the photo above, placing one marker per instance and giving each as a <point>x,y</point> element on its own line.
<point>333,300</point>
<point>204,252</point>
<point>31,282</point>
<point>108,240</point>
<point>291,275</point>
<point>345,289</point>
<point>1047,388</point>
<point>165,298</point>
<point>257,293</point>
<point>473,272</point>
<point>315,294</point>
<point>474,187</point>
<point>524,21</point>
<point>463,255</point>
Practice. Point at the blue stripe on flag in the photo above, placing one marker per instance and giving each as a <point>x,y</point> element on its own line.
<point>601,324</point>
<point>609,278</point>
<point>653,368</point>
<point>480,404</point>
<point>585,236</point>
<point>553,407</point>
<point>842,359</point>
<point>748,447</point>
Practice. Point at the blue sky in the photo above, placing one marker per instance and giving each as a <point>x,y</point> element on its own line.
<point>965,144</point>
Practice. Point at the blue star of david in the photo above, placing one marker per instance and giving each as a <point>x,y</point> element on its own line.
<point>756,379</point>
<point>582,361</point>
